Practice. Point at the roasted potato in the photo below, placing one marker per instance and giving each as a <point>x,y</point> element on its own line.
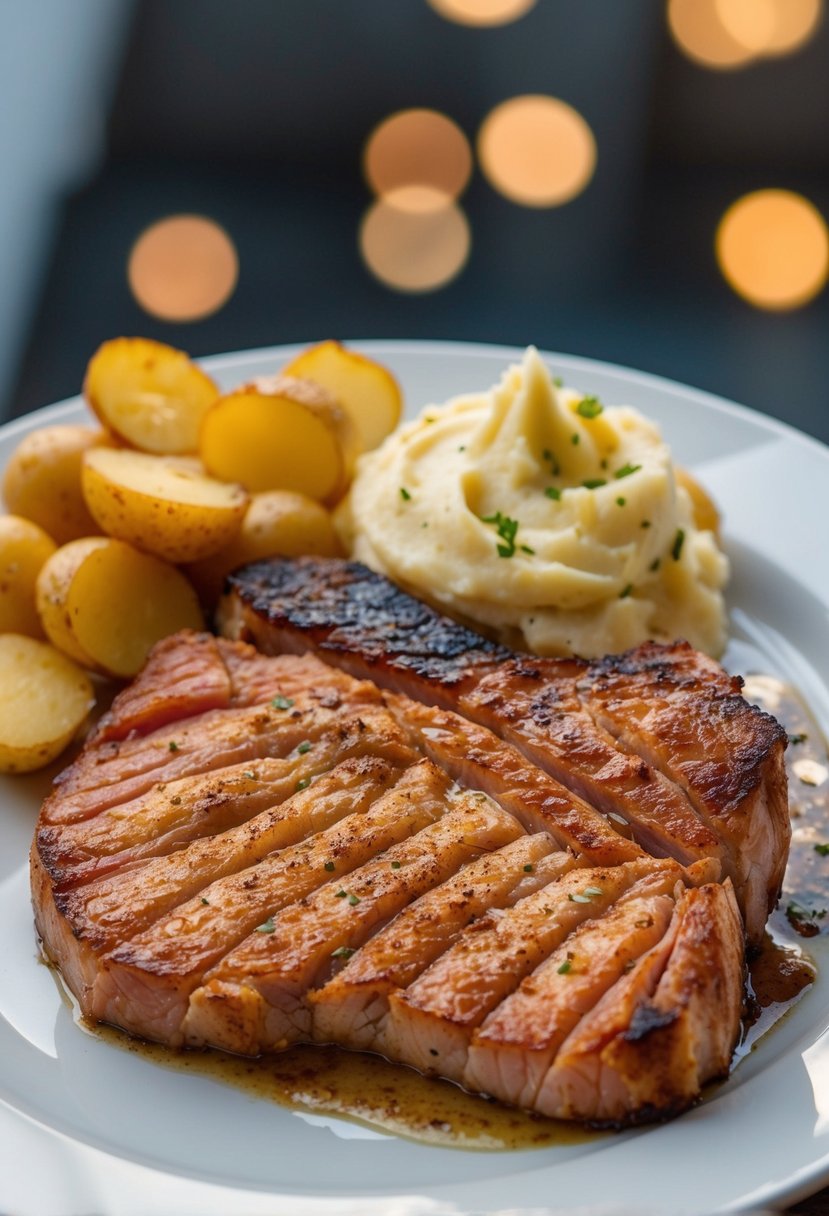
<point>106,604</point>
<point>24,547</point>
<point>706,515</point>
<point>149,395</point>
<point>277,522</point>
<point>366,390</point>
<point>280,433</point>
<point>42,481</point>
<point>44,698</point>
<point>161,504</point>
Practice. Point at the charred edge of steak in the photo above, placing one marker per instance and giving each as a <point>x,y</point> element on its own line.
<point>345,608</point>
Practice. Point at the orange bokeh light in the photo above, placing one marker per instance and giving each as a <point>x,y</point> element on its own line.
<point>537,150</point>
<point>416,148</point>
<point>698,30</point>
<point>415,250</point>
<point>482,12</point>
<point>772,247</point>
<point>183,268</point>
<point>733,33</point>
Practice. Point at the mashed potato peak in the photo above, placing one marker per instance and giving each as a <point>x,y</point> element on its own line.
<point>554,521</point>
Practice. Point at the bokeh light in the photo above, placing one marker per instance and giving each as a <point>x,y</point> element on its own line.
<point>183,268</point>
<point>537,150</point>
<point>698,30</point>
<point>733,33</point>
<point>482,12</point>
<point>418,148</point>
<point>415,250</point>
<point>773,248</point>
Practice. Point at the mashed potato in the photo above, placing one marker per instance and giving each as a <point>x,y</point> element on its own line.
<point>553,521</point>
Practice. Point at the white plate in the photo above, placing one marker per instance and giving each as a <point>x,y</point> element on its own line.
<point>85,1126</point>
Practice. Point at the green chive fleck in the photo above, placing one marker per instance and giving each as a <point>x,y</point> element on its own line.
<point>303,783</point>
<point>206,902</point>
<point>676,548</point>
<point>341,894</point>
<point>565,967</point>
<point>646,523</point>
<point>528,869</point>
<point>589,407</point>
<point>558,382</point>
<point>823,849</point>
<point>354,900</point>
<point>404,494</point>
<point>173,746</point>
<point>527,549</point>
<point>795,739</point>
<point>625,592</point>
<point>282,702</point>
<point>655,564</point>
<point>553,493</point>
<point>395,865</point>
<point>575,439</point>
<point>267,927</point>
<point>620,502</point>
<point>506,529</point>
<point>329,866</point>
<point>343,952</point>
<point>549,456</point>
<point>594,483</point>
<point>626,470</point>
<point>304,747</point>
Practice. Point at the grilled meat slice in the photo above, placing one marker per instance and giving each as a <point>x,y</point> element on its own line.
<point>316,861</point>
<point>659,739</point>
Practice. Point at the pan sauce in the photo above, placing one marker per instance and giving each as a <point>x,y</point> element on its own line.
<point>396,1100</point>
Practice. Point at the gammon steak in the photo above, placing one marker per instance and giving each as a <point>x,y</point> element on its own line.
<point>517,874</point>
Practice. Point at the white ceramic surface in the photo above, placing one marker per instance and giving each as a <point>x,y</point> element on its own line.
<point>86,1127</point>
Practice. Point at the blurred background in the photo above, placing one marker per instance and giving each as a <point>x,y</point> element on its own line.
<point>641,181</point>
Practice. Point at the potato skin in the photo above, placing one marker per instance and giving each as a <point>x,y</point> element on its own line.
<point>24,549</point>
<point>277,522</point>
<point>162,505</point>
<point>44,699</point>
<point>42,481</point>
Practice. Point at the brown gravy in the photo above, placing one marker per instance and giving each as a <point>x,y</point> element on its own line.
<point>397,1100</point>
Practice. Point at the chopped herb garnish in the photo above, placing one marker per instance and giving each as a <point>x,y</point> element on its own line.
<point>527,549</point>
<point>575,439</point>
<point>343,952</point>
<point>676,548</point>
<point>603,464</point>
<point>250,774</point>
<point>620,502</point>
<point>341,894</point>
<point>594,483</point>
<point>565,967</point>
<point>267,927</point>
<point>304,747</point>
<point>282,702</point>
<point>589,407</point>
<point>462,447</point>
<point>395,865</point>
<point>626,470</point>
<point>425,524</point>
<point>625,592</point>
<point>528,869</point>
<point>303,783</point>
<point>404,494</point>
<point>655,564</point>
<point>803,919</point>
<point>173,746</point>
<point>823,849</point>
<point>549,456</point>
<point>506,529</point>
<point>206,902</point>
<point>646,523</point>
<point>576,898</point>
<point>354,900</point>
<point>329,866</point>
<point>795,739</point>
<point>553,492</point>
<point>558,382</point>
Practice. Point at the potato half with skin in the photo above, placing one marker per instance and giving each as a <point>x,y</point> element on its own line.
<point>366,390</point>
<point>44,698</point>
<point>24,548</point>
<point>42,481</point>
<point>280,433</point>
<point>277,522</point>
<point>150,395</point>
<point>706,515</point>
<point>106,604</point>
<point>161,504</point>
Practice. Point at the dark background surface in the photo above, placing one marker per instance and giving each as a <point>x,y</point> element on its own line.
<point>256,114</point>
